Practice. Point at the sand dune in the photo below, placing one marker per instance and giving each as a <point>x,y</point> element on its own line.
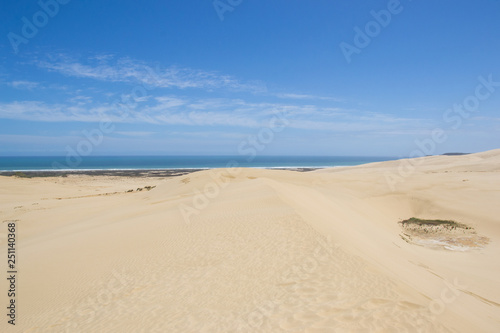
<point>247,250</point>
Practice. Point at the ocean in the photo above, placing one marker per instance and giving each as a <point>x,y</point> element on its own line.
<point>46,163</point>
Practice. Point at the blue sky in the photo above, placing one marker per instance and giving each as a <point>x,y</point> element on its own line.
<point>172,77</point>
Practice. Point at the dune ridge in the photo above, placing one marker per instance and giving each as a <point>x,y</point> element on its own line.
<point>252,250</point>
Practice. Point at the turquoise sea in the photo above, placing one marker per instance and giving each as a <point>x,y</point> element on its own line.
<point>178,162</point>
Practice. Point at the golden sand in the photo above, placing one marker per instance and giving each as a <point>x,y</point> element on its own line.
<point>248,250</point>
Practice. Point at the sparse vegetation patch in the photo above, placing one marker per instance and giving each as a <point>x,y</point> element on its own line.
<point>21,175</point>
<point>441,234</point>
<point>140,189</point>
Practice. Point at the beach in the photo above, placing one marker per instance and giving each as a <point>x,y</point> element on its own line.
<point>257,250</point>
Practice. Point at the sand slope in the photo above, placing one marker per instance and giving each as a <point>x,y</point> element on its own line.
<point>249,250</point>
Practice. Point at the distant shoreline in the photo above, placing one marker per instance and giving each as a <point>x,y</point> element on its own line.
<point>136,173</point>
<point>183,163</point>
<point>455,154</point>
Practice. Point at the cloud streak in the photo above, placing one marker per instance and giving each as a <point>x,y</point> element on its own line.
<point>128,70</point>
<point>29,85</point>
<point>168,110</point>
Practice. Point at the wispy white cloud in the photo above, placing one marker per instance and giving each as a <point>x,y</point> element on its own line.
<point>203,134</point>
<point>7,139</point>
<point>303,111</point>
<point>107,68</point>
<point>81,100</point>
<point>40,111</point>
<point>29,85</point>
<point>485,118</point>
<point>307,97</point>
<point>169,110</point>
<point>134,133</point>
